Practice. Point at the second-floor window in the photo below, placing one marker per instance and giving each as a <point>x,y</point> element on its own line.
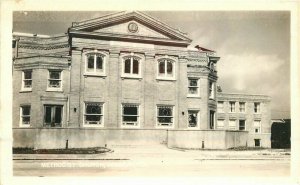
<point>256,107</point>
<point>55,80</point>
<point>193,87</point>
<point>95,64</point>
<point>242,106</point>
<point>232,106</point>
<point>131,66</point>
<point>27,80</point>
<point>166,69</point>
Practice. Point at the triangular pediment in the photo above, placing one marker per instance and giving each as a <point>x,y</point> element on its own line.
<point>130,25</point>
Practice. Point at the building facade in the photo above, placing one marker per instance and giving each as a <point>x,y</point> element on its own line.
<point>128,79</point>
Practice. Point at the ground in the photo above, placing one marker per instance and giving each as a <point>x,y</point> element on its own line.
<point>156,161</point>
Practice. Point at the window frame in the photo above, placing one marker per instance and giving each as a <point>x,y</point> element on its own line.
<point>197,87</point>
<point>138,115</point>
<point>172,117</point>
<point>255,109</point>
<point>230,109</point>
<point>197,119</point>
<point>101,115</point>
<point>132,56</point>
<point>60,79</point>
<point>245,128</point>
<point>53,106</point>
<point>95,72</point>
<point>165,74</point>
<point>23,88</point>
<point>21,124</point>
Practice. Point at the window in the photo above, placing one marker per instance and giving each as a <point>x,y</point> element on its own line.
<point>193,87</point>
<point>131,66</point>
<point>54,80</point>
<point>95,63</point>
<point>232,124</point>
<point>166,69</point>
<point>242,106</point>
<point>220,106</point>
<point>257,126</point>
<point>27,80</point>
<point>256,107</point>
<point>130,115</point>
<point>211,90</point>
<point>242,125</point>
<point>257,142</point>
<point>220,124</point>
<point>93,114</point>
<point>25,116</point>
<point>232,106</point>
<point>212,119</point>
<point>165,116</point>
<point>53,115</point>
<point>193,119</point>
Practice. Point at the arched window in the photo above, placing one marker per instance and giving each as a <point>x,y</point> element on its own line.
<point>131,66</point>
<point>166,68</point>
<point>95,63</point>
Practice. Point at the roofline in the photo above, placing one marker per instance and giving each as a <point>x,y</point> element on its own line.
<point>33,35</point>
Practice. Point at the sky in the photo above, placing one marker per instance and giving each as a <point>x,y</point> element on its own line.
<point>254,46</point>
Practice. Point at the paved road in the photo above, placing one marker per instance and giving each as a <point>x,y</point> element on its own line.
<point>152,167</point>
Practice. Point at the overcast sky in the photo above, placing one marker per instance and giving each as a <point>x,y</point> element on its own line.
<point>254,46</point>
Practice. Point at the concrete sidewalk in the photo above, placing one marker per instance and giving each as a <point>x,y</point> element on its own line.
<point>161,152</point>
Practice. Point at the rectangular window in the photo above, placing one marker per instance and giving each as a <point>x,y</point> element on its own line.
<point>193,119</point>
<point>257,107</point>
<point>165,116</point>
<point>242,106</point>
<point>93,114</point>
<point>257,126</point>
<point>212,119</point>
<point>27,80</point>
<point>211,90</point>
<point>257,142</point>
<point>232,124</point>
<point>25,116</point>
<point>220,124</point>
<point>232,106</point>
<point>130,115</point>
<point>54,80</point>
<point>53,115</point>
<point>242,124</point>
<point>220,106</point>
<point>193,87</point>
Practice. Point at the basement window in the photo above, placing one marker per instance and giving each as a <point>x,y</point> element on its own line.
<point>257,142</point>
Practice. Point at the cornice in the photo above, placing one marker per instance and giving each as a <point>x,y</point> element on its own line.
<point>43,46</point>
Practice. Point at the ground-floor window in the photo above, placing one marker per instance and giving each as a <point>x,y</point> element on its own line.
<point>130,115</point>
<point>193,118</point>
<point>242,124</point>
<point>257,142</point>
<point>93,114</point>
<point>212,119</point>
<point>220,123</point>
<point>53,115</point>
<point>25,116</point>
<point>165,116</point>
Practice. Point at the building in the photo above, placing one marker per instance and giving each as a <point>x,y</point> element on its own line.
<point>127,79</point>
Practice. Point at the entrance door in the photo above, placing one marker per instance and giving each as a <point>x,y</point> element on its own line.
<point>53,115</point>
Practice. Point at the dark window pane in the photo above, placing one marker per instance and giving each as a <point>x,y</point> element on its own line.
<point>91,61</point>
<point>130,118</point>
<point>27,75</point>
<point>26,111</point>
<point>58,111</point>
<point>92,118</point>
<point>55,75</point>
<point>193,90</point>
<point>27,83</point>
<point>165,120</point>
<point>26,120</point>
<point>169,67</point>
<point>48,115</point>
<point>135,67</point>
<point>127,66</point>
<point>130,111</point>
<point>162,67</point>
<point>193,82</point>
<point>54,83</point>
<point>192,119</point>
<point>99,62</point>
<point>166,111</point>
<point>93,109</point>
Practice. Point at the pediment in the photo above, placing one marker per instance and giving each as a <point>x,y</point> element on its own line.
<point>133,25</point>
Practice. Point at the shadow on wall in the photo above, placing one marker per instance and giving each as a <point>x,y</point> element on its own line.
<point>281,134</point>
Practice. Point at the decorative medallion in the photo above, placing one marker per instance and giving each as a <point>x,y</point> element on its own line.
<point>133,27</point>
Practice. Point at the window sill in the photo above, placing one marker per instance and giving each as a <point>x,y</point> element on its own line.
<point>25,91</point>
<point>193,128</point>
<point>54,90</point>
<point>24,126</point>
<point>165,79</point>
<point>129,126</point>
<point>94,75</point>
<point>191,96</point>
<point>131,77</point>
<point>93,126</point>
<point>164,127</point>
